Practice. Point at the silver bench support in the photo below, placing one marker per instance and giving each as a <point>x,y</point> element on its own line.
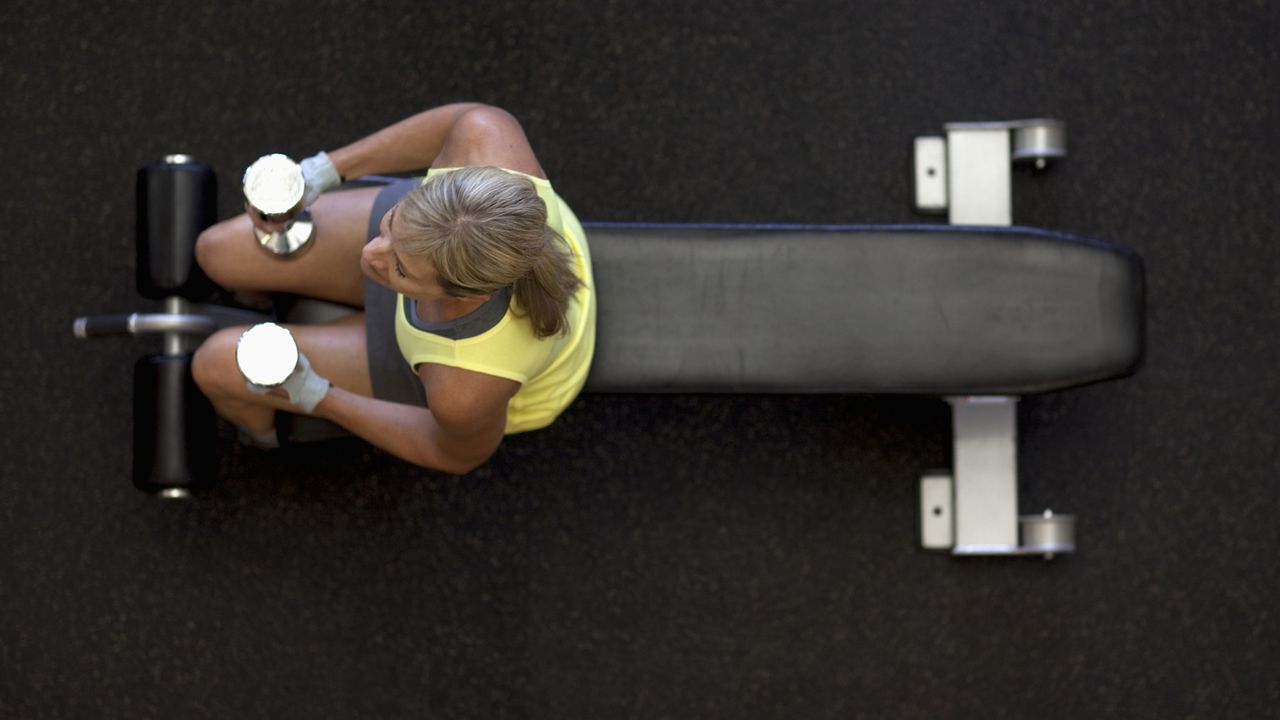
<point>985,465</point>
<point>968,173</point>
<point>973,510</point>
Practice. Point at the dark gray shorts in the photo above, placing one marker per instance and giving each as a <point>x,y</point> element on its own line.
<point>392,377</point>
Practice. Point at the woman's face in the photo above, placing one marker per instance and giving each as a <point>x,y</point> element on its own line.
<point>385,261</point>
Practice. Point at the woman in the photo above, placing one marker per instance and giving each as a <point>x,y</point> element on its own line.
<point>479,310</point>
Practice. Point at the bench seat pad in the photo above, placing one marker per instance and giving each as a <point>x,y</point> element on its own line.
<point>928,310</point>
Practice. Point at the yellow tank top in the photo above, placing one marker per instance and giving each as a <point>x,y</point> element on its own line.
<point>552,370</point>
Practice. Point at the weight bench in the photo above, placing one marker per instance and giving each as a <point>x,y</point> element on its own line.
<point>978,314</point>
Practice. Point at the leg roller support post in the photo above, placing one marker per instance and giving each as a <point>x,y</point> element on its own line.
<point>974,509</point>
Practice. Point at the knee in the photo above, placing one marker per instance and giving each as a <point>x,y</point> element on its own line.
<point>215,251</point>
<point>213,366</point>
<point>484,123</point>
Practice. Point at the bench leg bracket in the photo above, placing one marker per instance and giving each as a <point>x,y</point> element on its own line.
<point>973,510</point>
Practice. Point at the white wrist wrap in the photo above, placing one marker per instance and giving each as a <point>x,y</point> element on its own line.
<point>305,387</point>
<point>320,175</point>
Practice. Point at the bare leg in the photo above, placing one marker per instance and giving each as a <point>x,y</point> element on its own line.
<point>336,350</point>
<point>330,269</point>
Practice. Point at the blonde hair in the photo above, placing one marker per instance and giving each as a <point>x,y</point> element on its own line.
<point>486,229</point>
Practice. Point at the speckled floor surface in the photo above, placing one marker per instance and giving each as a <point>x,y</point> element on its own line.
<point>652,557</point>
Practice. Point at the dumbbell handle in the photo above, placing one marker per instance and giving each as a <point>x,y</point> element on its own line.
<point>143,324</point>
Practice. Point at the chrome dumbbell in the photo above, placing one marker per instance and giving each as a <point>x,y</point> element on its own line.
<point>267,355</point>
<point>274,188</point>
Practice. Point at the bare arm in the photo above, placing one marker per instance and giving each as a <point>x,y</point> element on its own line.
<point>462,430</point>
<point>446,136</point>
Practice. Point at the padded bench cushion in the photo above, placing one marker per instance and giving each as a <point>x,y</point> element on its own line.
<point>935,310</point>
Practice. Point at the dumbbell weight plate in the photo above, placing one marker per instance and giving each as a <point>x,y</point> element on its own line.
<point>266,355</point>
<point>274,185</point>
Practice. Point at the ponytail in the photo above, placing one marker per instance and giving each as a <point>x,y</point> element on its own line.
<point>544,293</point>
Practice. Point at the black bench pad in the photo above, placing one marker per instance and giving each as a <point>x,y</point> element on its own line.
<point>931,310</point>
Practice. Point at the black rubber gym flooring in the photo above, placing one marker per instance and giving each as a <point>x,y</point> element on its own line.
<point>650,557</point>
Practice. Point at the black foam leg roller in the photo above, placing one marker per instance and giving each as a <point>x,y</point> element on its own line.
<point>174,432</point>
<point>177,199</point>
